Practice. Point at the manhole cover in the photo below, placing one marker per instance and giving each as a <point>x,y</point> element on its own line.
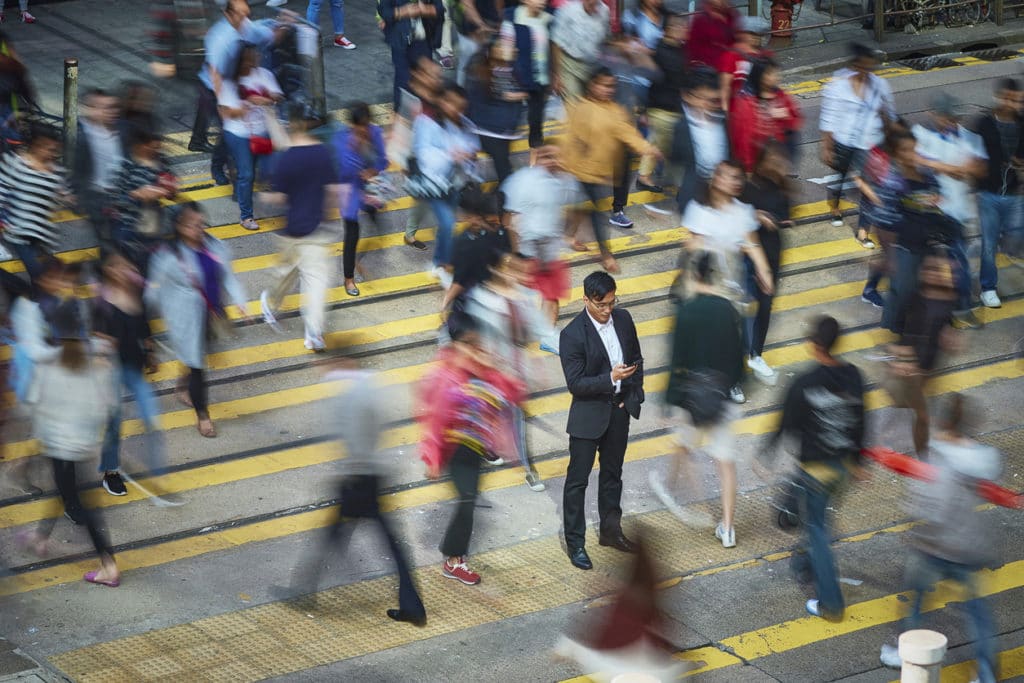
<point>996,55</point>
<point>928,63</point>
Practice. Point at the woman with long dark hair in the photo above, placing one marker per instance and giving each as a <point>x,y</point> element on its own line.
<point>188,280</point>
<point>495,103</point>
<point>762,112</point>
<point>529,25</point>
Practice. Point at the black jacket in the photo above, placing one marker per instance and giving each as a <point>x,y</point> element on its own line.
<point>666,90</point>
<point>398,32</point>
<point>986,127</point>
<point>588,373</point>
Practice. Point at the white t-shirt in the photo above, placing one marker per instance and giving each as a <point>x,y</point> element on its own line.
<point>540,199</point>
<point>259,81</point>
<point>725,229</point>
<point>958,149</point>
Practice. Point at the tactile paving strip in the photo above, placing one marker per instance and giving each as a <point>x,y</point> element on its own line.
<point>348,621</point>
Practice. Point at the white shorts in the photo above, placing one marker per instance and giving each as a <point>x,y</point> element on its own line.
<point>718,440</point>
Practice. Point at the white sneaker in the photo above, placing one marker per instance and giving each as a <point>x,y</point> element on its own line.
<point>268,312</point>
<point>890,657</point>
<point>726,536</point>
<point>315,343</point>
<point>736,395</point>
<point>762,370</point>
<point>442,275</point>
<point>693,518</point>
<point>276,3</point>
<point>813,607</point>
<point>991,299</point>
<point>837,222</point>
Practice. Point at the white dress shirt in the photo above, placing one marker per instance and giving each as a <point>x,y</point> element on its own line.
<point>958,147</point>
<point>710,146</point>
<point>611,344</point>
<point>856,120</point>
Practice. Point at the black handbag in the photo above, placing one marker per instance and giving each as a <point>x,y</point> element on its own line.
<point>702,393</point>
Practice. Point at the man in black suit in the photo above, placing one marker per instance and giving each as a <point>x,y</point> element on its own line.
<point>603,369</point>
<point>700,140</point>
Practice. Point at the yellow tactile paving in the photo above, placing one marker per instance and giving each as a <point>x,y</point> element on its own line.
<point>348,621</point>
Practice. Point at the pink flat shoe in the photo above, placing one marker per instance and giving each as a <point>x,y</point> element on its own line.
<point>91,578</point>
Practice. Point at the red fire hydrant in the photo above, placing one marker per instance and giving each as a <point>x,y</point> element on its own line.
<point>782,18</point>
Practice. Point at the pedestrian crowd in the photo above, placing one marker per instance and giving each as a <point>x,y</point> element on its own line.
<point>694,101</point>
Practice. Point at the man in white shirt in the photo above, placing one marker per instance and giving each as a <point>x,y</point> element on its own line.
<point>856,107</point>
<point>957,156</point>
<point>580,29</point>
<point>603,368</point>
<point>99,154</point>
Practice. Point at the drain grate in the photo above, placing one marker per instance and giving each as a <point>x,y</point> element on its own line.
<point>995,55</point>
<point>928,63</point>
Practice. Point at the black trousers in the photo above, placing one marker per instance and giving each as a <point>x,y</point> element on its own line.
<point>465,472</point>
<point>620,193</point>
<point>612,448</point>
<point>500,152</point>
<point>206,113</point>
<point>535,105</point>
<point>351,250</point>
<point>771,243</point>
<point>66,480</point>
<point>197,392</point>
<point>359,496</point>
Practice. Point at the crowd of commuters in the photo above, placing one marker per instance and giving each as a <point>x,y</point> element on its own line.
<point>697,101</point>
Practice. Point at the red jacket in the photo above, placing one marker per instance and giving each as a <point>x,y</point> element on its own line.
<point>751,124</point>
<point>711,34</point>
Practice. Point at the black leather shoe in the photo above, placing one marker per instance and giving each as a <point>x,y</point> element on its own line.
<point>657,189</point>
<point>414,619</point>
<point>618,541</point>
<point>204,147</point>
<point>580,559</point>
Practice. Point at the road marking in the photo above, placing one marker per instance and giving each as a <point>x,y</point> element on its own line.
<point>824,180</point>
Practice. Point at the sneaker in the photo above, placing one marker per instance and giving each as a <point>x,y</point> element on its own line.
<point>27,18</point>
<point>276,3</point>
<point>114,484</point>
<point>890,656</point>
<point>315,343</point>
<point>726,536</point>
<point>344,43</point>
<point>812,607</point>
<point>762,370</point>
<point>837,222</point>
<point>460,572</point>
<point>444,277</point>
<point>268,312</point>
<point>991,299</point>
<point>736,395</point>
<point>620,220</point>
<point>871,296</point>
<point>250,224</point>
<point>966,320</point>
<point>534,482</point>
<point>447,63</point>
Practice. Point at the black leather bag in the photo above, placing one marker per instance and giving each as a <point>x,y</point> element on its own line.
<point>702,393</point>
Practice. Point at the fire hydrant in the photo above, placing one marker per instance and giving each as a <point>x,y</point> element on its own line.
<point>782,18</point>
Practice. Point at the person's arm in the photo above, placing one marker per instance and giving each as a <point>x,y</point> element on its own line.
<point>451,295</point>
<point>627,134</point>
<point>761,269</point>
<point>827,123</point>
<point>473,15</point>
<point>229,105</point>
<point>350,161</point>
<point>228,280</point>
<point>574,364</point>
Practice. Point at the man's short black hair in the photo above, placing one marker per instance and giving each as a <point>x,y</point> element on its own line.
<point>1008,84</point>
<point>359,114</point>
<point>860,51</point>
<point>600,72</point>
<point>461,325</point>
<point>475,202</point>
<point>598,285</point>
<point>141,135</point>
<point>825,334</point>
<point>702,77</point>
<point>41,130</point>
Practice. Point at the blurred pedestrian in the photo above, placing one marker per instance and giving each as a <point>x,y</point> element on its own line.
<point>305,179</point>
<point>707,361</point>
<point>100,150</point>
<point>529,26</point>
<point>598,131</point>
<point>664,97</point>
<point>476,22</point>
<point>143,179</point>
<point>356,415</point>
<point>138,101</point>
<point>856,110</point>
<point>580,28</point>
<point>223,46</point>
<point>712,32</point>
<point>33,185</point>
<point>738,60</point>
<point>824,410</point>
<point>952,540</point>
<point>425,89</point>
<point>176,29</point>
<point>480,245</point>
<point>700,141</point>
<point>16,91</point>
<point>604,371</point>
<point>496,100</point>
<point>412,29</point>
<point>880,184</point>
<point>188,279</point>
<point>26,16</point>
<point>1000,203</point>
<point>762,112</point>
<point>244,100</point>
<point>646,22</point>
<point>359,151</point>
<point>71,399</point>
<point>464,407</point>
<point>337,20</point>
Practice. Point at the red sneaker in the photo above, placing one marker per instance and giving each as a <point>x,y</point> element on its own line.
<point>344,43</point>
<point>460,572</point>
<point>28,18</point>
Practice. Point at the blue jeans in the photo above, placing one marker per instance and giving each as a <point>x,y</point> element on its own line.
<point>923,571</point>
<point>999,215</point>
<point>245,166</point>
<point>136,384</point>
<point>444,211</point>
<point>818,557</point>
<point>31,256</point>
<point>337,14</point>
<point>22,368</point>
<point>902,285</point>
<point>961,273</point>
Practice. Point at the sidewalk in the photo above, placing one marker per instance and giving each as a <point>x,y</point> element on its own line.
<point>17,667</point>
<point>85,29</point>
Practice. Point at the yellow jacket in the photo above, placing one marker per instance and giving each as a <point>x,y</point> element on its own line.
<point>593,143</point>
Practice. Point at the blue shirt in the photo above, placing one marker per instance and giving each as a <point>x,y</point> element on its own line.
<point>303,173</point>
<point>223,44</point>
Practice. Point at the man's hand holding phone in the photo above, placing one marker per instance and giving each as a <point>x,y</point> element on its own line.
<point>621,372</point>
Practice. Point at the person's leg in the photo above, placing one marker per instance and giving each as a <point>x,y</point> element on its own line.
<point>417,213</point>
<point>409,601</point>
<point>990,217</point>
<point>351,248</point>
<point>842,159</point>
<point>574,495</point>
<point>981,624</point>
<point>467,48</point>
<point>901,287</point>
<point>197,392</point>
<point>313,12</point>
<point>445,213</point>
<point>314,267</point>
<point>400,62</point>
<point>535,117</point>
<point>201,126</point>
<point>612,449</point>
<point>593,193</point>
<point>447,29</point>
<point>465,473</point>
<point>148,409</point>
<point>239,149</point>
<point>286,272</point>
<point>500,153</point>
<point>819,548</point>
<point>110,454</point>
<point>338,17</point>
<point>727,476</point>
<point>620,193</point>
<point>31,257</point>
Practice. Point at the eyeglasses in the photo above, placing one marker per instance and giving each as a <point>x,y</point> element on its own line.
<point>605,306</point>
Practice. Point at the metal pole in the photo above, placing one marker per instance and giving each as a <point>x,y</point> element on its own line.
<point>922,653</point>
<point>317,84</point>
<point>70,110</point>
<point>752,8</point>
<point>879,20</point>
<point>998,9</point>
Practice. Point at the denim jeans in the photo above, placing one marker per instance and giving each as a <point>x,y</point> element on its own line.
<point>902,285</point>
<point>337,14</point>
<point>961,274</point>
<point>813,510</point>
<point>133,380</point>
<point>444,211</point>
<point>245,165</point>
<point>999,215</point>
<point>923,571</point>
<point>31,256</point>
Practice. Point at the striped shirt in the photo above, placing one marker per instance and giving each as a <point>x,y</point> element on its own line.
<point>132,176</point>
<point>28,199</point>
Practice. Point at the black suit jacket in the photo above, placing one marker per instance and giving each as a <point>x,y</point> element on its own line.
<point>588,373</point>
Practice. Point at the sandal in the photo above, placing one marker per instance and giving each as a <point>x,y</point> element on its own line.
<point>576,245</point>
<point>206,428</point>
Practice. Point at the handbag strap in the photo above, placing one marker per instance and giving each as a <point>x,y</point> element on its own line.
<point>210,308</point>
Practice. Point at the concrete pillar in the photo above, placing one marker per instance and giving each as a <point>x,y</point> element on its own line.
<point>922,653</point>
<point>70,110</point>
